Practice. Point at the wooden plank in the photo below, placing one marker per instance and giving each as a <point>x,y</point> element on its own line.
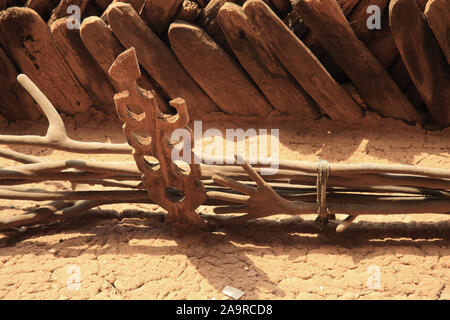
<point>88,73</point>
<point>219,75</point>
<point>303,65</point>
<point>103,4</point>
<point>61,9</point>
<point>329,25</point>
<point>437,13</point>
<point>3,4</point>
<point>27,41</point>
<point>378,41</point>
<point>157,59</point>
<point>316,47</point>
<point>422,56</point>
<point>92,9</point>
<point>104,47</point>
<point>208,22</point>
<point>138,6</point>
<point>189,11</point>
<point>40,6</point>
<point>295,23</point>
<point>282,6</point>
<point>399,74</point>
<point>159,14</point>
<point>16,103</point>
<point>262,65</point>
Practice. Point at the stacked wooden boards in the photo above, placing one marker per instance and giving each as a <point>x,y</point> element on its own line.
<point>299,59</point>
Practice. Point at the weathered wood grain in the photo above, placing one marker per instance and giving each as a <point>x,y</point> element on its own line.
<point>40,6</point>
<point>208,21</point>
<point>189,11</point>
<point>104,47</point>
<point>103,4</point>
<point>261,64</point>
<point>27,41</point>
<point>157,59</point>
<point>16,103</point>
<point>316,47</point>
<point>295,23</point>
<point>282,6</point>
<point>378,41</point>
<point>302,64</point>
<point>92,9</point>
<point>399,74</point>
<point>422,56</point>
<point>219,75</point>
<point>88,73</point>
<point>437,13</point>
<point>61,9</point>
<point>329,25</point>
<point>159,14</point>
<point>138,6</point>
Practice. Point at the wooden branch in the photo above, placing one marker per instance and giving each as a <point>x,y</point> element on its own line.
<point>53,212</point>
<point>303,66</point>
<point>329,25</point>
<point>19,157</point>
<point>349,169</point>
<point>42,215</point>
<point>157,59</point>
<point>263,201</point>
<point>437,13</point>
<point>88,166</point>
<point>218,74</point>
<point>263,66</point>
<point>56,136</point>
<point>19,193</point>
<point>425,62</point>
<point>27,40</point>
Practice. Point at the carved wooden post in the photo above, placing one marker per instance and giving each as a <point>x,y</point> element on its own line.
<point>177,189</point>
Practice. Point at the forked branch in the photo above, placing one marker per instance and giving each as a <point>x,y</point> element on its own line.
<point>56,136</point>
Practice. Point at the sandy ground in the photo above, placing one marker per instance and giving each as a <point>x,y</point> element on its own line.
<point>126,252</point>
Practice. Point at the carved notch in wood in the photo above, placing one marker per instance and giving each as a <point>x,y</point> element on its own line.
<point>177,188</point>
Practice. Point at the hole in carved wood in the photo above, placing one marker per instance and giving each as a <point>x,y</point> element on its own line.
<point>152,162</point>
<point>182,167</point>
<point>135,113</point>
<point>142,138</point>
<point>174,195</point>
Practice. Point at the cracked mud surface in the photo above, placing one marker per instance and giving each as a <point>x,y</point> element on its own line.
<point>125,251</point>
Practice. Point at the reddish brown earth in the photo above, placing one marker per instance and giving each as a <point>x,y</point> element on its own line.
<point>125,252</point>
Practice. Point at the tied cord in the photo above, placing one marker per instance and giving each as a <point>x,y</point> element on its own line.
<point>323,169</point>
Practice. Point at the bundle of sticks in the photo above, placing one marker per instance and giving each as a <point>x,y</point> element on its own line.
<point>297,187</point>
